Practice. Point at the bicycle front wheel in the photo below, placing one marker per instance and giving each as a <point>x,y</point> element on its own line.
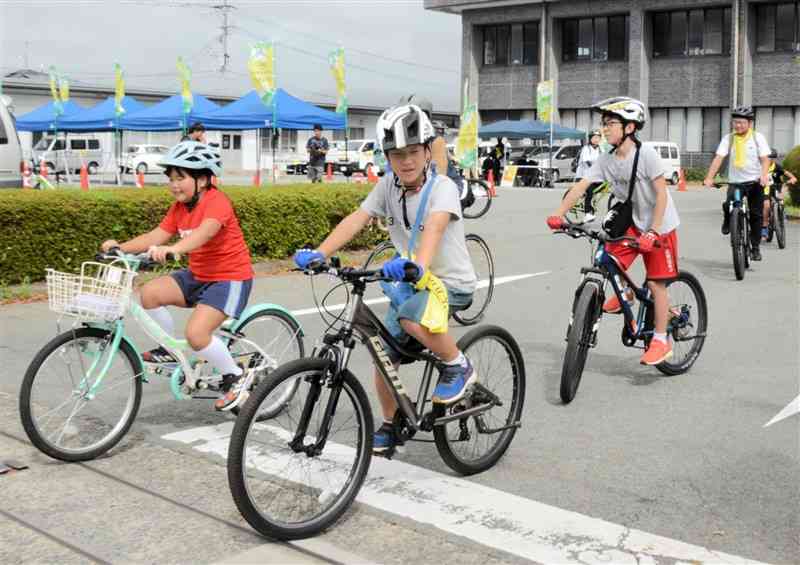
<point>738,243</point>
<point>279,336</point>
<point>286,481</point>
<point>780,225</point>
<point>688,321</point>
<point>61,413</point>
<point>579,339</point>
<point>483,199</point>
<point>482,261</point>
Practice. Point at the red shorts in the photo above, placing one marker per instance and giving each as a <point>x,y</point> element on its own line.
<point>660,263</point>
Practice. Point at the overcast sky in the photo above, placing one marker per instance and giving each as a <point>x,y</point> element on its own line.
<point>392,46</point>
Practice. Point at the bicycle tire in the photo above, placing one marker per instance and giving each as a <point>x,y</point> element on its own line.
<point>383,252</point>
<point>771,222</point>
<point>675,365</point>
<point>576,213</point>
<point>580,331</point>
<point>738,246</point>
<point>780,226</point>
<point>28,412</point>
<point>483,199</point>
<point>480,299</point>
<point>294,328</point>
<point>447,448</point>
<point>239,481</point>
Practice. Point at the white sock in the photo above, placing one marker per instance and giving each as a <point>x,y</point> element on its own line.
<point>218,355</point>
<point>163,318</point>
<point>660,337</point>
<point>460,360</point>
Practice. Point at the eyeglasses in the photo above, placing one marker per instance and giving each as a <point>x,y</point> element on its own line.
<point>610,123</point>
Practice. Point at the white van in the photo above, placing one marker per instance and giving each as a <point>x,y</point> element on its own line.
<point>10,150</point>
<point>670,155</point>
<point>359,155</point>
<point>70,152</point>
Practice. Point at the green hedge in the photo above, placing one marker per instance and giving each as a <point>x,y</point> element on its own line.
<point>792,163</point>
<point>63,228</point>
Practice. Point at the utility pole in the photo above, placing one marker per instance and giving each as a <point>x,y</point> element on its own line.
<point>225,8</point>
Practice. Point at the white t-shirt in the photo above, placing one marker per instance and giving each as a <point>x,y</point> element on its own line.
<point>452,263</point>
<point>588,156</point>
<point>757,146</point>
<point>618,172</point>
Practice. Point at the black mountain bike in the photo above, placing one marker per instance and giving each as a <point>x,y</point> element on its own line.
<point>740,233</point>
<point>686,327</point>
<point>777,222</point>
<point>296,474</point>
<point>482,261</point>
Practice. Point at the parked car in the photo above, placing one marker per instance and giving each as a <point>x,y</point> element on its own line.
<point>297,168</point>
<point>359,154</point>
<point>69,152</point>
<point>561,167</point>
<point>10,149</point>
<point>671,158</point>
<point>143,158</point>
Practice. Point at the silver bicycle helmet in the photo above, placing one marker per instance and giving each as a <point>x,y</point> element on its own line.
<point>402,126</point>
<point>745,112</point>
<point>193,155</point>
<point>417,100</point>
<point>626,108</point>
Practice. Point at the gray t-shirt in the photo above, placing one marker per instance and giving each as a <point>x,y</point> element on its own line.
<point>618,172</point>
<point>451,262</point>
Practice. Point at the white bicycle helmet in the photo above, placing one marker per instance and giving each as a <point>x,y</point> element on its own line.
<point>626,108</point>
<point>417,100</point>
<point>193,155</point>
<point>402,126</point>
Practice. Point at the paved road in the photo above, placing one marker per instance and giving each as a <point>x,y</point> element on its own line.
<point>640,467</point>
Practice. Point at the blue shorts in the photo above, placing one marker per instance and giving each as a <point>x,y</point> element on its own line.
<point>229,297</point>
<point>413,309</point>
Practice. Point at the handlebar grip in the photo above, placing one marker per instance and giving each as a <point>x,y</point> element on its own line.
<point>411,272</point>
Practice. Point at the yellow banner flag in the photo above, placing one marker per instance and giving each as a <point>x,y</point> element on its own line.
<point>57,105</point>
<point>336,59</point>
<point>262,70</point>
<point>466,150</point>
<point>63,88</point>
<point>544,101</point>
<point>119,90</point>
<point>186,91</point>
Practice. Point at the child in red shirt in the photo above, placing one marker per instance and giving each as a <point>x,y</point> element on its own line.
<point>219,278</point>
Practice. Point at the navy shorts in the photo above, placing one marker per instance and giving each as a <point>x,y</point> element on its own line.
<point>229,297</point>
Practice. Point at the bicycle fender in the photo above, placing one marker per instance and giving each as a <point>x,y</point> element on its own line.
<point>255,308</point>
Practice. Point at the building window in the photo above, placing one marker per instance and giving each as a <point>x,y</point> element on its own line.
<point>226,141</point>
<point>692,33</point>
<point>491,116</point>
<point>515,44</point>
<point>712,126</point>
<point>352,133</point>
<point>778,27</point>
<point>595,39</point>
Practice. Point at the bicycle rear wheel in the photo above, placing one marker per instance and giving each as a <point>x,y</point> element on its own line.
<point>738,242</point>
<point>475,443</point>
<point>579,336</point>
<point>60,414</point>
<point>482,260</point>
<point>483,199</point>
<point>688,322</point>
<point>384,252</point>
<point>780,224</point>
<point>284,485</point>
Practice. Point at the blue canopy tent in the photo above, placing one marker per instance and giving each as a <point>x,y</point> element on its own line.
<point>528,129</point>
<point>101,117</point>
<point>249,112</point>
<point>167,115</point>
<point>44,117</point>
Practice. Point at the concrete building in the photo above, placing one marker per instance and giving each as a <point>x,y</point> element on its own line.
<point>30,89</point>
<point>688,60</point>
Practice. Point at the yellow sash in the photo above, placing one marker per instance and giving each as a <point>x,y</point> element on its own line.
<point>437,310</point>
<point>739,148</point>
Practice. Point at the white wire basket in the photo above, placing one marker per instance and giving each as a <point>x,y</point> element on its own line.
<point>100,293</point>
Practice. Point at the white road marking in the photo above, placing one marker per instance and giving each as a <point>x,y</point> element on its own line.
<point>488,516</point>
<point>481,284</point>
<point>790,410</point>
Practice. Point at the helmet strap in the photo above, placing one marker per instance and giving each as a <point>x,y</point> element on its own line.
<point>195,197</point>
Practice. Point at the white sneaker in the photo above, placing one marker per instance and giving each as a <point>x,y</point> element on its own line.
<point>589,217</point>
<point>238,393</point>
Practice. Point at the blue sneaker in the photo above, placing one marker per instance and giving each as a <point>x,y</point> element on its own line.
<point>384,439</point>
<point>764,233</point>
<point>453,383</point>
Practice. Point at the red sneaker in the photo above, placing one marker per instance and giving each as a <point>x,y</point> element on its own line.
<point>658,352</point>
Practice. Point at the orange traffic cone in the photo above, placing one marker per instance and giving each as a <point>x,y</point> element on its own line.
<point>329,173</point>
<point>140,179</point>
<point>371,176</point>
<point>26,175</point>
<point>43,168</point>
<point>84,177</point>
<point>257,179</point>
<point>490,180</point>
<point>681,181</point>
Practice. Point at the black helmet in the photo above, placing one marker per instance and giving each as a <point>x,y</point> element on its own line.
<point>416,100</point>
<point>773,153</point>
<point>745,112</point>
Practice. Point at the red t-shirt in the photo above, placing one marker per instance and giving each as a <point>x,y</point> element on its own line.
<point>225,256</point>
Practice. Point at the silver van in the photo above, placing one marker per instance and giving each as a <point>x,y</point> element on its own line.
<point>562,160</point>
<point>10,150</point>
<point>70,151</point>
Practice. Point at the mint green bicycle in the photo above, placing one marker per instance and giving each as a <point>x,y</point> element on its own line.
<point>82,391</point>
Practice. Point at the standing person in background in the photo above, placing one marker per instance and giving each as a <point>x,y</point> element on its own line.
<point>196,132</point>
<point>588,156</point>
<point>317,148</point>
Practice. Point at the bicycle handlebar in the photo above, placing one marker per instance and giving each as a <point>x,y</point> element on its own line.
<point>143,260</point>
<point>349,274</point>
<point>577,231</point>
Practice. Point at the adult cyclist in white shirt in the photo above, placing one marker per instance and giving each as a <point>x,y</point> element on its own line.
<point>748,170</point>
<point>588,155</point>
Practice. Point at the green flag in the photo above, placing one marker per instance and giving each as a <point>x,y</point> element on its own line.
<point>544,101</point>
<point>186,91</point>
<point>336,60</point>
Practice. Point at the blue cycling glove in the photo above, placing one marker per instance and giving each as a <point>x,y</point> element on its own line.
<point>396,269</point>
<point>303,257</point>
